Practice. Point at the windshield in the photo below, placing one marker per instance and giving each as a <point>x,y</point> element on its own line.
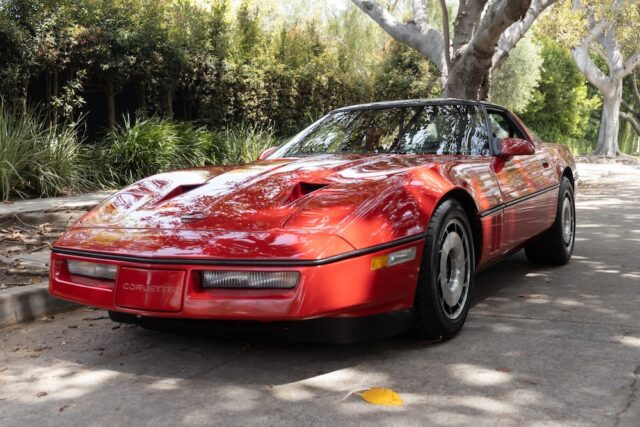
<point>428,129</point>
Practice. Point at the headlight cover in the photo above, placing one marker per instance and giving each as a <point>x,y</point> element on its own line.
<point>249,279</point>
<point>92,269</point>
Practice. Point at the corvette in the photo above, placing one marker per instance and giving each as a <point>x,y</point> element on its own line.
<point>371,222</point>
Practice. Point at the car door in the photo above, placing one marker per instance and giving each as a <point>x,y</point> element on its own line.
<point>527,183</point>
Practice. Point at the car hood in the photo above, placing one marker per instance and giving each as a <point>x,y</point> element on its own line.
<point>317,192</point>
<point>363,200</point>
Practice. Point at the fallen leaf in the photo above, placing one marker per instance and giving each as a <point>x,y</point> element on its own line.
<point>42,394</point>
<point>381,396</point>
<point>62,408</point>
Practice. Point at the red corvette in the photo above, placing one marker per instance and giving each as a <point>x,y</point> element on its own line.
<point>372,221</point>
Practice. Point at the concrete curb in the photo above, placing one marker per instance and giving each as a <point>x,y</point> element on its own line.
<point>21,304</point>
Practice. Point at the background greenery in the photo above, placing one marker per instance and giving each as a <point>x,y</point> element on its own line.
<point>104,92</point>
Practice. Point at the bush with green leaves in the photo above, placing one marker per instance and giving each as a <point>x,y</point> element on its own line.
<point>133,151</point>
<point>39,160</point>
<point>244,144</point>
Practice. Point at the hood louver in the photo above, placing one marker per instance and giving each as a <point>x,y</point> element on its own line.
<point>301,189</point>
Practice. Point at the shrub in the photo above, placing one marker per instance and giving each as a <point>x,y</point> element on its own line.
<point>134,151</point>
<point>39,160</point>
<point>244,144</point>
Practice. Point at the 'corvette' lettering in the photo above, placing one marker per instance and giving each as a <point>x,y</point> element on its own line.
<point>136,287</point>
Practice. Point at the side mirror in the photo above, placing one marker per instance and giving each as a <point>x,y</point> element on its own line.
<point>509,147</point>
<point>266,153</point>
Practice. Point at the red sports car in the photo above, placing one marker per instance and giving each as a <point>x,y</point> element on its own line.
<point>370,222</point>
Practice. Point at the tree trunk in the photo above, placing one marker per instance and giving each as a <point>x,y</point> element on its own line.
<point>54,91</point>
<point>466,77</point>
<point>169,111</point>
<point>610,122</point>
<point>109,92</point>
<point>25,96</point>
<point>142,99</point>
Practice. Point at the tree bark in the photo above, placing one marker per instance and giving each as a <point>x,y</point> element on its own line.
<point>476,34</point>
<point>610,122</point>
<point>169,106</point>
<point>55,94</point>
<point>25,96</point>
<point>110,94</point>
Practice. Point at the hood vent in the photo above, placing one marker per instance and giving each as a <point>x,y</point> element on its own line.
<point>180,189</point>
<point>301,189</point>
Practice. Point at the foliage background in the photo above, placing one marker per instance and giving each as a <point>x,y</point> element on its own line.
<point>208,76</point>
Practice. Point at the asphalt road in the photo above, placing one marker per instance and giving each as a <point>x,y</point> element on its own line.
<point>542,346</point>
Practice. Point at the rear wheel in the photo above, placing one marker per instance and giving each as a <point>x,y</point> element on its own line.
<point>446,274</point>
<point>555,246</point>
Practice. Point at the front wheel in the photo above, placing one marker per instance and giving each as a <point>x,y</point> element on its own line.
<point>555,246</point>
<point>446,274</point>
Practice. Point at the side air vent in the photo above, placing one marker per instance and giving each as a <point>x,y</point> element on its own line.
<point>301,189</point>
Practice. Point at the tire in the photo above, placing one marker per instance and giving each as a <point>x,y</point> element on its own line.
<point>555,246</point>
<point>446,276</point>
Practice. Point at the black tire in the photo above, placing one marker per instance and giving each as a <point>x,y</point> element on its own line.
<point>433,316</point>
<point>555,246</point>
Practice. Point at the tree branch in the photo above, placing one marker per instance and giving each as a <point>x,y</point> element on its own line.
<point>630,107</point>
<point>500,15</point>
<point>583,60</point>
<point>632,120</point>
<point>516,31</point>
<point>589,69</point>
<point>445,32</point>
<point>421,15</point>
<point>634,85</point>
<point>469,12</point>
<point>429,44</point>
<point>630,65</point>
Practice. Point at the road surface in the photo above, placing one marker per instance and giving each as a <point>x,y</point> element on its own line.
<point>541,346</point>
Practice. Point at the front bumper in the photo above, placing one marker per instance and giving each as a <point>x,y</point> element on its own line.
<point>347,287</point>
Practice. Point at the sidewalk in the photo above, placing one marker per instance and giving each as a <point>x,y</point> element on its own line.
<point>51,204</point>
<point>31,226</point>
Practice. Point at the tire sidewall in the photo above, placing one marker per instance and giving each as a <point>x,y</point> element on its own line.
<point>566,189</point>
<point>451,210</point>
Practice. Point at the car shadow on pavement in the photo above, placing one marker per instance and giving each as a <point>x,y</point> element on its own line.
<point>541,345</point>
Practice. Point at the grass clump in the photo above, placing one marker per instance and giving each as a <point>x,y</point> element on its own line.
<point>39,160</point>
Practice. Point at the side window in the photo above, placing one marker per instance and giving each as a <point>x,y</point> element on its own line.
<point>502,126</point>
<point>475,135</point>
<point>447,130</point>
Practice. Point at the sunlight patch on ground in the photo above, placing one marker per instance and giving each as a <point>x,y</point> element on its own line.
<point>630,341</point>
<point>478,376</point>
<point>56,383</point>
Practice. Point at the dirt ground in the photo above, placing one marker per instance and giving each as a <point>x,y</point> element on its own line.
<point>25,242</point>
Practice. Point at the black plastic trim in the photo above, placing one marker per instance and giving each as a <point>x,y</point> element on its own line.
<point>244,262</point>
<point>518,200</point>
<point>336,330</point>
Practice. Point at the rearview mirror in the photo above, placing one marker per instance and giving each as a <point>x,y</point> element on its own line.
<point>509,147</point>
<point>266,153</point>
